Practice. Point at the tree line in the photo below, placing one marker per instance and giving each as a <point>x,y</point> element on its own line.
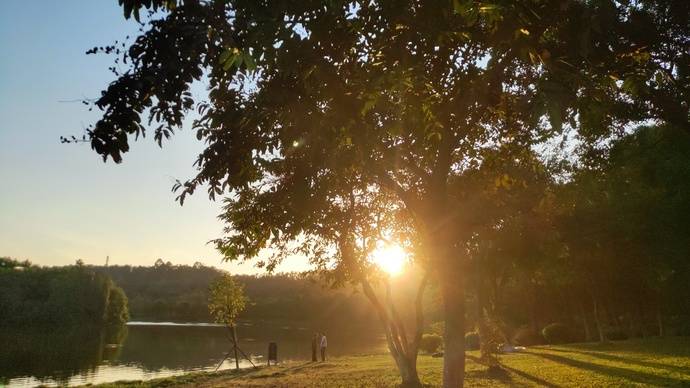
<point>180,293</point>
<point>602,252</point>
<point>58,296</point>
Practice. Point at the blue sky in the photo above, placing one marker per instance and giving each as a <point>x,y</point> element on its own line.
<point>60,202</point>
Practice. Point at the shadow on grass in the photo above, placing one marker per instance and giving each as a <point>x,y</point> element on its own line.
<point>504,374</point>
<point>187,379</point>
<point>627,360</point>
<point>628,374</point>
<point>531,378</point>
<point>280,372</point>
<point>308,365</point>
<point>653,346</point>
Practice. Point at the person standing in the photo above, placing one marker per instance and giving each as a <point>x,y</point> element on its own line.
<point>324,345</point>
<point>314,345</point>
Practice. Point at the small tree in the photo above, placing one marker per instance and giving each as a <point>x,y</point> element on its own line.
<point>226,302</point>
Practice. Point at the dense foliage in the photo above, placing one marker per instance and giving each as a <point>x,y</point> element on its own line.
<point>226,300</point>
<point>59,296</point>
<point>167,292</point>
<point>430,343</point>
<point>604,252</point>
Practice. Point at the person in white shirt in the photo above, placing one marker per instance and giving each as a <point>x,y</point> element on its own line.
<point>324,345</point>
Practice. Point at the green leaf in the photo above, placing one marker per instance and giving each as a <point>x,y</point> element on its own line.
<point>224,56</point>
<point>231,57</point>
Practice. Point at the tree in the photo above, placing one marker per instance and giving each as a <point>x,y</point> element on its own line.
<point>337,228</point>
<point>59,296</point>
<point>633,199</point>
<point>403,92</point>
<point>118,311</point>
<point>226,302</point>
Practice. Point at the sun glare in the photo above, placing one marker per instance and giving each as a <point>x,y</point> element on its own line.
<point>390,258</point>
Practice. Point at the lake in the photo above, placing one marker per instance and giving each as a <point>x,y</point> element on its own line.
<point>146,350</point>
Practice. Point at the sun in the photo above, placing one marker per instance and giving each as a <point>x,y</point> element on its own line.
<point>390,258</point>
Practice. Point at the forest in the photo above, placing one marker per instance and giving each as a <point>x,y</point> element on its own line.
<point>71,296</point>
<point>603,251</point>
<point>179,293</point>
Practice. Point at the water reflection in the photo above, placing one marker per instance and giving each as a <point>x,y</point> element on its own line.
<point>56,355</point>
<point>144,350</point>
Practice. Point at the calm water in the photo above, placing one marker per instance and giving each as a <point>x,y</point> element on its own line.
<point>149,350</point>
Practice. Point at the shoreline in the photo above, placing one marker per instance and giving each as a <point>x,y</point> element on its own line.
<point>639,362</point>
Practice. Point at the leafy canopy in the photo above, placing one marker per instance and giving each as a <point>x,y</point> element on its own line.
<point>226,300</point>
<point>306,98</point>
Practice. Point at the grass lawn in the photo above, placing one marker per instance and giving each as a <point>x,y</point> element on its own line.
<point>649,362</point>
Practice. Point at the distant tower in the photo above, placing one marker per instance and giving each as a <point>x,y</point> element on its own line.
<point>107,259</point>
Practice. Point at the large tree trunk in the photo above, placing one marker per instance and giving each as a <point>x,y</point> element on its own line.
<point>585,322</point>
<point>597,321</point>
<point>404,354</point>
<point>453,291</point>
<point>408,372</point>
<point>533,313</point>
<point>484,314</point>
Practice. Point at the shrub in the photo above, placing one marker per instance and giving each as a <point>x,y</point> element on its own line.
<point>437,328</point>
<point>430,343</point>
<point>557,333</point>
<point>472,341</point>
<point>526,336</point>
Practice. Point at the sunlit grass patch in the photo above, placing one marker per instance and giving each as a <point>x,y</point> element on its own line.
<point>648,362</point>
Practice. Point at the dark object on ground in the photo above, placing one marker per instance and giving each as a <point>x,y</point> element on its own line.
<point>314,346</point>
<point>437,355</point>
<point>272,352</point>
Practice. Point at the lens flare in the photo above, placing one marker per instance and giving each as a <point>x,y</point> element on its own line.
<point>390,258</point>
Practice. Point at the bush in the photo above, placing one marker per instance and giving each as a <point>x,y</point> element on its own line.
<point>430,343</point>
<point>437,328</point>
<point>472,341</point>
<point>557,333</point>
<point>525,336</point>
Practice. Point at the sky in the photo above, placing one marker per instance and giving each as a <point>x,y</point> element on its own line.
<point>60,202</point>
